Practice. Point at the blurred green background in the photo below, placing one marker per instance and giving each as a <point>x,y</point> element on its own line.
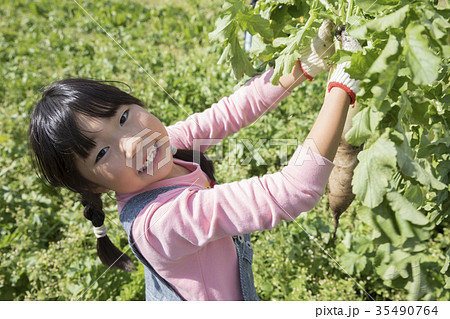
<point>47,246</point>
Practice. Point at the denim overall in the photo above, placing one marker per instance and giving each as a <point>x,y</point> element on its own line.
<point>156,287</point>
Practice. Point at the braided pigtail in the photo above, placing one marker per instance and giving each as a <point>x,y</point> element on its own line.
<point>109,254</point>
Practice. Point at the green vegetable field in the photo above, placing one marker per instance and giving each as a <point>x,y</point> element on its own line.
<point>179,57</point>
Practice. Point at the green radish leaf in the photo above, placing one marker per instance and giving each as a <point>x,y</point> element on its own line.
<point>233,6</point>
<point>283,65</point>
<point>422,62</point>
<point>393,20</point>
<point>395,266</point>
<point>360,63</point>
<point>364,124</point>
<point>362,245</point>
<point>225,28</point>
<point>438,147</point>
<point>239,61</point>
<point>378,6</point>
<point>261,50</point>
<point>419,112</point>
<point>415,194</point>
<point>380,157</point>
<point>386,224</point>
<point>258,46</point>
<point>368,217</point>
<point>288,57</point>
<point>225,57</point>
<point>280,42</point>
<point>383,254</point>
<point>385,82</point>
<point>291,53</point>
<point>380,65</point>
<point>419,286</point>
<point>412,169</point>
<point>401,206</point>
<point>405,227</point>
<point>254,24</point>
<point>341,56</point>
<point>353,262</point>
<point>436,23</point>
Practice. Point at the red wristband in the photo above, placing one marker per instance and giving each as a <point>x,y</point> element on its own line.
<point>351,94</point>
<point>309,77</point>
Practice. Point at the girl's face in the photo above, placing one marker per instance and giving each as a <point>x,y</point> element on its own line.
<point>126,143</point>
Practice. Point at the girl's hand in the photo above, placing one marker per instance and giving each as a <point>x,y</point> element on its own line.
<point>340,78</point>
<point>313,57</point>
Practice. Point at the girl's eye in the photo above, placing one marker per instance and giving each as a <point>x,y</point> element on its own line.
<point>101,154</point>
<point>124,117</point>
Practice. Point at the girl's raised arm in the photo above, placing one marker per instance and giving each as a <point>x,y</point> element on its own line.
<point>229,115</point>
<point>325,135</point>
<point>326,132</point>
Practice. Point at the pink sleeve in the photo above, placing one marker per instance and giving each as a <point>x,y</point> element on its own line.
<point>229,115</point>
<point>195,216</point>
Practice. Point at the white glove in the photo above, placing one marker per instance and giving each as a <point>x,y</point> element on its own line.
<point>340,78</point>
<point>313,57</point>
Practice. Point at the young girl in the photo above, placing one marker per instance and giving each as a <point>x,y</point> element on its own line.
<point>188,231</point>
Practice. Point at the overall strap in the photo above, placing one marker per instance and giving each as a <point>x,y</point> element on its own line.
<point>156,287</point>
<point>244,250</point>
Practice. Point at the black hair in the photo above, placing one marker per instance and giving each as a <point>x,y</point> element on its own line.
<point>56,139</point>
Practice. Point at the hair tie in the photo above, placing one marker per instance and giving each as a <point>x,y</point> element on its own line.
<point>100,231</point>
<point>174,149</point>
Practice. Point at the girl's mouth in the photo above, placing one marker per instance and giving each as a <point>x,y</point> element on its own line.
<point>151,155</point>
